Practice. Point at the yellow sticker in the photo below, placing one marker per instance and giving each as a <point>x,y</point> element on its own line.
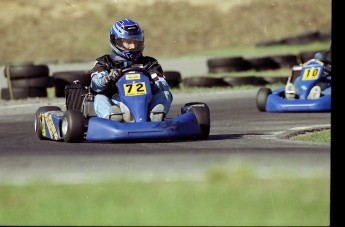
<point>133,76</point>
<point>135,89</point>
<point>44,133</point>
<point>51,127</point>
<point>311,73</point>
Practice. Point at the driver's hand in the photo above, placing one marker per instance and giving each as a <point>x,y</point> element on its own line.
<point>114,75</point>
<point>154,76</point>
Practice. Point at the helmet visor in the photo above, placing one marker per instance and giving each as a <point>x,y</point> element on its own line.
<point>129,44</point>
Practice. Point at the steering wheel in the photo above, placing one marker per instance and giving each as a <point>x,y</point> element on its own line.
<point>142,70</point>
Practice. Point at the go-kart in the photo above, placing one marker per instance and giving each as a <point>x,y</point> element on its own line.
<point>276,101</point>
<point>79,122</point>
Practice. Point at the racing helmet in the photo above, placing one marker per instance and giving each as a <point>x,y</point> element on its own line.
<point>127,39</point>
<point>319,56</point>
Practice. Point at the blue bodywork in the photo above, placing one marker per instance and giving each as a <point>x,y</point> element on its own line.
<point>310,73</point>
<point>277,103</point>
<point>135,92</point>
<point>100,129</point>
<point>182,126</point>
<point>51,124</point>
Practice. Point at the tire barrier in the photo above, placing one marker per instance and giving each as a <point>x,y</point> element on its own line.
<point>22,93</point>
<point>39,82</point>
<point>262,63</point>
<point>228,64</point>
<point>173,78</point>
<point>26,80</point>
<point>303,38</point>
<point>244,80</point>
<point>30,80</point>
<point>26,71</point>
<point>207,82</point>
<point>276,79</point>
<point>307,55</point>
<point>286,61</point>
<point>204,82</point>
<point>235,64</point>
<point>61,79</point>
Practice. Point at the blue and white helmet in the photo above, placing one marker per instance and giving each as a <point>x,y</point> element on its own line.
<point>127,30</point>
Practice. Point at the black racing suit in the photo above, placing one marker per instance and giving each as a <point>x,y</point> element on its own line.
<point>106,63</point>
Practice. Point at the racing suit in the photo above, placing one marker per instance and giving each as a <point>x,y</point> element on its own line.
<point>106,93</point>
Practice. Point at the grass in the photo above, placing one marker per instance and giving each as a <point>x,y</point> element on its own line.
<point>227,198</point>
<point>72,31</point>
<point>323,136</point>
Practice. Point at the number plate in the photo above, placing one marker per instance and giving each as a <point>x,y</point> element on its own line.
<point>311,73</point>
<point>135,89</point>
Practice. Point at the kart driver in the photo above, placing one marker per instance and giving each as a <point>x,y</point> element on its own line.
<point>323,87</point>
<point>127,43</point>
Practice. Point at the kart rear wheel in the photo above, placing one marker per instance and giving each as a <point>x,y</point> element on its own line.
<point>38,119</point>
<point>202,113</point>
<point>261,98</point>
<point>72,126</point>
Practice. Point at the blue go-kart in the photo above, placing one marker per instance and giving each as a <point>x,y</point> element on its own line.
<point>276,101</point>
<point>79,122</point>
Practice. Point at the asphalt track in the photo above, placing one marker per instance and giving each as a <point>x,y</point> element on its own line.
<point>240,136</point>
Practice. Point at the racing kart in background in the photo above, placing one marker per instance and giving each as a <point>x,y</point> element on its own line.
<point>275,100</point>
<point>79,122</point>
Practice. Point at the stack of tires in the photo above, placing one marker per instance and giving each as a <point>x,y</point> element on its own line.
<point>228,64</point>
<point>61,79</point>
<point>173,78</point>
<point>24,81</point>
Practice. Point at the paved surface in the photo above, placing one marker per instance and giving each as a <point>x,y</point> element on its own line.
<point>240,137</point>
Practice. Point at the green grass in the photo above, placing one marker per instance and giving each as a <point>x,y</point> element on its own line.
<point>323,136</point>
<point>227,198</point>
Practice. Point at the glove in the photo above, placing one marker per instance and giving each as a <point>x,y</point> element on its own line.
<point>154,76</point>
<point>114,75</point>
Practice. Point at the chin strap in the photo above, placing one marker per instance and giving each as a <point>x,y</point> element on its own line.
<point>124,62</point>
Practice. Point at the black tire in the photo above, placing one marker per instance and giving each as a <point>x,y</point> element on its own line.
<point>238,81</point>
<point>302,38</point>
<point>173,78</point>
<point>38,119</point>
<point>267,43</point>
<point>61,79</point>
<point>261,98</point>
<point>307,55</point>
<point>23,93</point>
<point>276,79</point>
<point>229,64</point>
<point>202,113</point>
<point>26,71</point>
<point>286,61</point>
<point>204,82</point>
<point>39,82</point>
<point>262,63</point>
<point>325,36</point>
<point>72,126</point>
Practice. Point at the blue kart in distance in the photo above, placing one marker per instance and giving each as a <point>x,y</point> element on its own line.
<point>79,122</point>
<point>275,100</point>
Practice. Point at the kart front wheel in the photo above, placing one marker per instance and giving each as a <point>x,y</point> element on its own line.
<point>261,98</point>
<point>72,126</point>
<point>202,113</point>
<point>38,119</point>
